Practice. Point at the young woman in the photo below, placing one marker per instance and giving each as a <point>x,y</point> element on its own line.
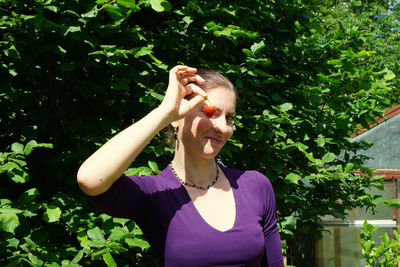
<point>196,212</point>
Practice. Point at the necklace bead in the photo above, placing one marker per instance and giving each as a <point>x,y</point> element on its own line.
<point>201,187</point>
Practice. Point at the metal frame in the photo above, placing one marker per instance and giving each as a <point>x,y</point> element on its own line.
<point>359,223</point>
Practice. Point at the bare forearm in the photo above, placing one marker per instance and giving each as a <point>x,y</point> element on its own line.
<point>109,162</point>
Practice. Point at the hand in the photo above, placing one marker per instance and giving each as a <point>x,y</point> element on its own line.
<point>174,102</point>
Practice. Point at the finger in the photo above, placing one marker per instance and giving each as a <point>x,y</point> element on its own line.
<point>192,88</point>
<point>191,78</point>
<point>174,76</point>
<point>186,70</point>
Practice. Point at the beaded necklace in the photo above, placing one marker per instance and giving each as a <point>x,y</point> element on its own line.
<point>201,187</point>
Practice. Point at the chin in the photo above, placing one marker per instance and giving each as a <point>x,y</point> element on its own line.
<point>211,152</point>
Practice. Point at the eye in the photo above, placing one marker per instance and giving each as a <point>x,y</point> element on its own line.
<point>230,118</point>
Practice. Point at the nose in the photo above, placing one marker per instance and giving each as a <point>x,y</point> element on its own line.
<point>221,125</point>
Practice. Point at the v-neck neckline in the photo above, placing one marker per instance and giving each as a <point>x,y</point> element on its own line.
<point>197,212</point>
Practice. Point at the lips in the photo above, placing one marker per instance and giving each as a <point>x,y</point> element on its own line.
<point>215,140</point>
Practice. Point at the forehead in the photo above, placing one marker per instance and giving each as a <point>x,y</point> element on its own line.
<point>228,92</point>
<point>223,98</point>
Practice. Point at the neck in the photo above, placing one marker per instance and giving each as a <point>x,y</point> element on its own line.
<point>197,171</point>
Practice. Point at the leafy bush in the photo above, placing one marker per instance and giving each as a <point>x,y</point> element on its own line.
<point>73,73</point>
<point>379,253</point>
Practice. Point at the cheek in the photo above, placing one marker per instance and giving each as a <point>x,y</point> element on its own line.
<point>202,124</point>
<point>230,131</point>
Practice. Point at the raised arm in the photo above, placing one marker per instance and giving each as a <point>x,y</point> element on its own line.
<point>110,161</point>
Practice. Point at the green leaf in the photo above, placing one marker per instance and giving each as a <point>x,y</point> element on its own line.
<point>114,12</point>
<point>10,210</point>
<point>96,234</point>
<point>292,178</point>
<point>52,8</point>
<point>8,166</point>
<point>137,242</point>
<point>143,51</point>
<point>247,52</point>
<point>153,166</point>
<point>393,203</point>
<point>78,257</point>
<point>257,47</point>
<point>12,242</point>
<point>109,260</point>
<point>286,107</point>
<point>52,213</point>
<point>328,157</point>
<point>289,222</point>
<point>389,75</point>
<point>349,167</point>
<point>335,62</point>
<point>8,222</point>
<point>12,52</point>
<point>72,29</point>
<point>91,13</point>
<point>160,5</point>
<point>35,260</point>
<point>29,147</point>
<point>18,175</point>
<point>157,96</point>
<point>17,148</point>
<point>117,233</point>
<point>320,141</point>
<point>255,135</point>
<point>127,3</point>
<point>71,12</point>
<point>93,243</point>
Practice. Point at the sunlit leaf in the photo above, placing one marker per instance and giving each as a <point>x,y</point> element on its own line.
<point>160,5</point>
<point>292,178</point>
<point>52,213</point>
<point>328,157</point>
<point>109,260</point>
<point>95,234</point>
<point>393,203</point>
<point>127,3</point>
<point>8,222</point>
<point>17,148</point>
<point>18,175</point>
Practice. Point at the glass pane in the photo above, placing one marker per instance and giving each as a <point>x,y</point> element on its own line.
<point>383,211</point>
<point>340,246</point>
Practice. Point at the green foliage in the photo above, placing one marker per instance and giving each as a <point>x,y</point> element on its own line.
<point>73,73</point>
<point>377,252</point>
<point>60,230</point>
<point>380,28</point>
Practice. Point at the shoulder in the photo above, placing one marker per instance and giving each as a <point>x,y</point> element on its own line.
<point>160,182</point>
<point>251,178</point>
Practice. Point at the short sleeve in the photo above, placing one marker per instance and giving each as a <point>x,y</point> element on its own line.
<point>273,246</point>
<point>124,199</point>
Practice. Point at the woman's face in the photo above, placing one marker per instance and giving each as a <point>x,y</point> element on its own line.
<point>204,137</point>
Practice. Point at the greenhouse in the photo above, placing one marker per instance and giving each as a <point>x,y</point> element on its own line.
<point>340,244</point>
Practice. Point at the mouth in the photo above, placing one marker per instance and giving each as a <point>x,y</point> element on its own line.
<point>215,140</point>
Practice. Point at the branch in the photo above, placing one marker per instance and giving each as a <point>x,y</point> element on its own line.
<point>5,10</point>
<point>107,4</point>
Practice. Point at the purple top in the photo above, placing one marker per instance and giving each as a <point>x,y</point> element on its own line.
<point>179,235</point>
